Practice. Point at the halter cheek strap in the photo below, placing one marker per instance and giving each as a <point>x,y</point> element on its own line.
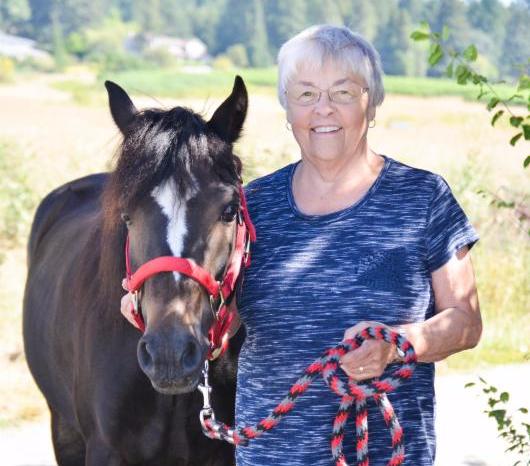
<point>218,292</point>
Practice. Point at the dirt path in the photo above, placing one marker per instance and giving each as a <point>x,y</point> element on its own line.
<point>465,436</point>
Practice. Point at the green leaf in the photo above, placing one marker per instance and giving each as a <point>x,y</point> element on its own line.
<point>526,132</point>
<point>524,83</point>
<point>436,54</point>
<point>516,121</point>
<point>425,25</point>
<point>514,140</point>
<point>445,32</point>
<point>449,70</point>
<point>469,384</point>
<point>524,410</point>
<point>470,53</point>
<point>420,35</point>
<point>496,117</point>
<point>493,103</point>
<point>504,397</point>
<point>499,415</point>
<point>525,165</point>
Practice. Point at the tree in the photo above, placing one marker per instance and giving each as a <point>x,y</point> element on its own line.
<point>515,49</point>
<point>363,19</point>
<point>488,18</point>
<point>13,13</point>
<point>256,35</point>
<point>451,14</point>
<point>284,20</point>
<point>395,47</point>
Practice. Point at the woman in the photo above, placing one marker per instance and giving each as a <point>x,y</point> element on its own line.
<point>347,238</point>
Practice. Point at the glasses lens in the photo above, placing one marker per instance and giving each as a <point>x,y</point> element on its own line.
<point>303,95</point>
<point>345,93</point>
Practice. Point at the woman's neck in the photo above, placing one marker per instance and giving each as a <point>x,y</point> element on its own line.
<point>321,187</point>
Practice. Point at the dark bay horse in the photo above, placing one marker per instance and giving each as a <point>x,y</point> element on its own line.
<point>118,397</point>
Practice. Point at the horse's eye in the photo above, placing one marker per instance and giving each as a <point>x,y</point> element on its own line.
<point>229,214</point>
<point>125,218</point>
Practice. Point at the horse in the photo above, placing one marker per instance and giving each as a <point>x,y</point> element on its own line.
<point>117,396</point>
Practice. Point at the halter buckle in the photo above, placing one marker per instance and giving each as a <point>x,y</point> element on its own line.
<point>205,388</point>
<point>217,307</point>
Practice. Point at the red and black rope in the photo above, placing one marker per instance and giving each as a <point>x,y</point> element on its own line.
<point>351,393</point>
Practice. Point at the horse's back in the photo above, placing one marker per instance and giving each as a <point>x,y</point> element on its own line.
<point>61,228</point>
<point>77,195</point>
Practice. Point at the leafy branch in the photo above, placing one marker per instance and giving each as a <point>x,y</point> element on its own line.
<point>460,68</point>
<point>515,434</point>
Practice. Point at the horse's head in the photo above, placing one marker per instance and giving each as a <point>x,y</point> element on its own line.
<point>176,186</point>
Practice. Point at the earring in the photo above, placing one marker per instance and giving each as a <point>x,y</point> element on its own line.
<point>288,126</point>
<point>371,124</point>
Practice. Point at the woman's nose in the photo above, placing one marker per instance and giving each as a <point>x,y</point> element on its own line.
<point>324,106</point>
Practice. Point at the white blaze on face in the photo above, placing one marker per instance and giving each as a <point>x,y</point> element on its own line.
<point>174,208</point>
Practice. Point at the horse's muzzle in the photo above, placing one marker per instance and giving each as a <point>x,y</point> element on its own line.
<point>172,363</point>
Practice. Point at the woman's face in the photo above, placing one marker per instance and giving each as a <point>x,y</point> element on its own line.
<point>327,130</point>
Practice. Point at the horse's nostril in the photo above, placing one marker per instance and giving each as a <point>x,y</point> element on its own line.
<point>144,356</point>
<point>191,356</point>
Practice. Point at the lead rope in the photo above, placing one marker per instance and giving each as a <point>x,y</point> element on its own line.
<point>350,393</point>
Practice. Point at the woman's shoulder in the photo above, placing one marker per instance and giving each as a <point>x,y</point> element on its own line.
<point>268,184</point>
<point>409,177</point>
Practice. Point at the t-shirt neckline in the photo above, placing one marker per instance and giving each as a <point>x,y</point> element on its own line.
<point>332,216</point>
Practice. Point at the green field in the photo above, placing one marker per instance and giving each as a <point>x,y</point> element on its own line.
<point>178,83</point>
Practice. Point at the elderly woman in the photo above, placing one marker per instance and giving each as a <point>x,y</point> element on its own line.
<point>347,238</point>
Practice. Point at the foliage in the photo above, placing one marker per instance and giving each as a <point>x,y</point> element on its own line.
<point>262,26</point>
<point>7,69</point>
<point>514,431</point>
<point>460,68</point>
<point>17,199</point>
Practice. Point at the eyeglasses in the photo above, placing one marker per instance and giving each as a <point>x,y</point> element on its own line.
<point>306,95</point>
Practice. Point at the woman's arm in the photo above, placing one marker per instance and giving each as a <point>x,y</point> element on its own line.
<point>456,326</point>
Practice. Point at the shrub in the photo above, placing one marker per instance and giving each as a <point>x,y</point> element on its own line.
<point>7,69</point>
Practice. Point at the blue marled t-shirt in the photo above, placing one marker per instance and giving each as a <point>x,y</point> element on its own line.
<point>312,277</point>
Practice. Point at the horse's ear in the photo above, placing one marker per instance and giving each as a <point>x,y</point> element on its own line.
<point>227,121</point>
<point>121,106</point>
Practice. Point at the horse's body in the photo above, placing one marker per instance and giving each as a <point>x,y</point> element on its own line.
<point>83,354</point>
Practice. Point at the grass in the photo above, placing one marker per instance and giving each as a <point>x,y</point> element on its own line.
<point>177,83</point>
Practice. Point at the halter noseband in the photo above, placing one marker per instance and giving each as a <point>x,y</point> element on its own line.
<point>218,292</point>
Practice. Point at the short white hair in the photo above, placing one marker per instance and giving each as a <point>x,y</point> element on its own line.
<point>317,44</point>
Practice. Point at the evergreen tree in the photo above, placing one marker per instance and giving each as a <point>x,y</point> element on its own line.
<point>323,12</point>
<point>147,13</point>
<point>516,47</point>
<point>256,35</point>
<point>284,20</point>
<point>362,18</point>
<point>13,14</point>
<point>394,44</point>
<point>488,17</point>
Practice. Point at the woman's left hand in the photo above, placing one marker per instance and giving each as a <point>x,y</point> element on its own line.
<point>371,358</point>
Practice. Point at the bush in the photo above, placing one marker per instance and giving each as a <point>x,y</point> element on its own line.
<point>238,55</point>
<point>7,69</point>
<point>17,199</point>
<point>222,63</point>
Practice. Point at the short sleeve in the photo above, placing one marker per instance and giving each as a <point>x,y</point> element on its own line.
<point>448,229</point>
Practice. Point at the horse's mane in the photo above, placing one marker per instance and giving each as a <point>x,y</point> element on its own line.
<point>159,144</point>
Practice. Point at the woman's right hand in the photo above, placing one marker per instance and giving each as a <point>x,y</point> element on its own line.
<point>126,305</point>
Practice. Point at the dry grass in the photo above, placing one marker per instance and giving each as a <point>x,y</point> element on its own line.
<point>446,135</point>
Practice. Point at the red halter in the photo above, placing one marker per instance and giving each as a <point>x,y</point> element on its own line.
<point>218,292</point>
